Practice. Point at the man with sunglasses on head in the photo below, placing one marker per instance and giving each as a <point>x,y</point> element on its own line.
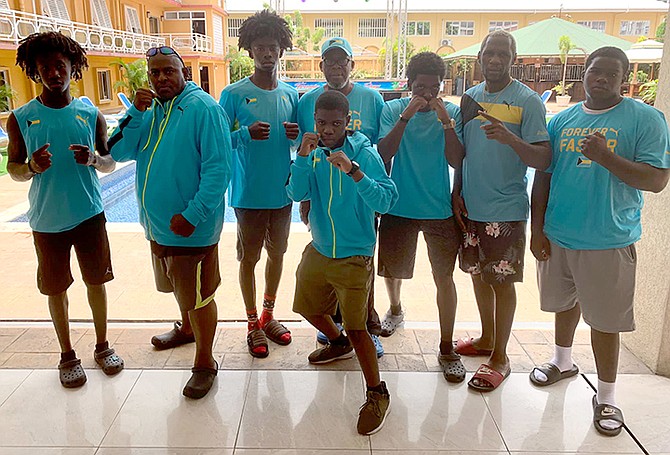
<point>180,138</point>
<point>421,135</point>
<point>265,110</point>
<point>365,106</point>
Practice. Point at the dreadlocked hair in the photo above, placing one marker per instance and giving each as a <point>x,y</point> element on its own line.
<point>265,24</point>
<point>39,44</point>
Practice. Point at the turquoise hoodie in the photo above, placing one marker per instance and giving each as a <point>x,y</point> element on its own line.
<point>342,215</point>
<point>183,153</point>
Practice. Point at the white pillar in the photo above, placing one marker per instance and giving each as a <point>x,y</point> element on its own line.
<point>651,341</point>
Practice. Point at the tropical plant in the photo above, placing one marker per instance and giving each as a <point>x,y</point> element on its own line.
<point>6,96</point>
<point>642,77</point>
<point>565,45</point>
<point>561,89</point>
<point>409,49</point>
<point>240,65</point>
<point>660,31</point>
<point>133,76</point>
<point>303,37</point>
<point>648,91</point>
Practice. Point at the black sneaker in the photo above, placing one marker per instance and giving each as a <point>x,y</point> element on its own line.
<point>330,353</point>
<point>373,413</point>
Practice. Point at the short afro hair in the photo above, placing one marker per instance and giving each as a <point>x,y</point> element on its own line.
<point>332,100</point>
<point>502,34</point>
<point>265,24</point>
<point>39,44</point>
<point>610,52</point>
<point>426,63</point>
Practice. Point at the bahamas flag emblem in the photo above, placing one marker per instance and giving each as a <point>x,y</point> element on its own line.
<point>583,162</point>
<point>32,122</point>
<point>251,100</point>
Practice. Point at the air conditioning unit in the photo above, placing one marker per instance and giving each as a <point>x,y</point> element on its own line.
<point>446,42</point>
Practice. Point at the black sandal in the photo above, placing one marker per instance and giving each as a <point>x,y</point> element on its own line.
<point>275,330</point>
<point>110,363</point>
<point>172,339</point>
<point>72,374</point>
<point>606,412</point>
<point>201,381</point>
<point>256,339</point>
<point>452,367</point>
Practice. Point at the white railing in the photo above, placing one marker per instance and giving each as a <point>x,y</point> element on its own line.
<point>16,25</point>
<point>188,42</point>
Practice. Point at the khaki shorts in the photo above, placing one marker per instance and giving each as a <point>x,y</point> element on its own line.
<point>602,281</point>
<point>322,282</point>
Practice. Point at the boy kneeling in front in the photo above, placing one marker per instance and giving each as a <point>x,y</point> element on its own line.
<point>345,180</point>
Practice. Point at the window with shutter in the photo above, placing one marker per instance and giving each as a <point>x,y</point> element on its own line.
<point>55,9</point>
<point>4,4</point>
<point>133,20</point>
<point>101,13</point>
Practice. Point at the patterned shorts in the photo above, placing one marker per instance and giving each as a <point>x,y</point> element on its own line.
<point>495,250</point>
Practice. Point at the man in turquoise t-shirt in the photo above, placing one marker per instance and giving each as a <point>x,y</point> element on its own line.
<point>586,220</point>
<point>421,135</point>
<point>265,109</point>
<point>504,132</point>
<point>53,141</point>
<point>365,106</point>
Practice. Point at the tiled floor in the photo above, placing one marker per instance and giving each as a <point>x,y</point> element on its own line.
<point>282,405</point>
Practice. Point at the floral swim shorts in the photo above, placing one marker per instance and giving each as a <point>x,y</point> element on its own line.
<point>494,249</point>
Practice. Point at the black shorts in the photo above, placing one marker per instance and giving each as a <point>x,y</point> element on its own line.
<point>191,273</point>
<point>397,245</point>
<point>262,227</point>
<point>91,245</point>
<point>495,250</point>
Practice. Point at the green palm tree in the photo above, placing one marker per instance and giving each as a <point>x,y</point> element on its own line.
<point>6,95</point>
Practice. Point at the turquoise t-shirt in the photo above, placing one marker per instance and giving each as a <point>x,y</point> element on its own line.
<point>260,168</point>
<point>494,177</point>
<point>365,108</point>
<point>590,208</point>
<point>67,193</point>
<point>420,169</point>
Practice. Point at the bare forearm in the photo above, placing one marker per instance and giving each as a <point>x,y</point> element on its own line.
<point>638,175</point>
<point>537,156</point>
<point>539,199</point>
<point>104,164</point>
<point>453,149</point>
<point>389,145</point>
<point>19,171</point>
<point>458,179</point>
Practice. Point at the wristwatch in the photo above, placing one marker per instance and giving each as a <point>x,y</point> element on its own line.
<point>403,119</point>
<point>450,125</point>
<point>354,168</point>
<point>30,168</point>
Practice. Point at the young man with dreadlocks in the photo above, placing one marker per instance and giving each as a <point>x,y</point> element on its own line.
<point>179,137</point>
<point>266,110</point>
<point>53,141</point>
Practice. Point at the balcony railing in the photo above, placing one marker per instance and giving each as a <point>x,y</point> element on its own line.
<point>16,25</point>
<point>188,42</point>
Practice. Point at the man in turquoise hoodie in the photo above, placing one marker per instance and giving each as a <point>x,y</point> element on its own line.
<point>345,179</point>
<point>179,137</point>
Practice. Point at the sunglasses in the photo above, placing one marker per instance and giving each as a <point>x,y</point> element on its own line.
<point>165,50</point>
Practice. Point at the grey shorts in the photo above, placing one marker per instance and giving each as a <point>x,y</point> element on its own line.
<point>602,281</point>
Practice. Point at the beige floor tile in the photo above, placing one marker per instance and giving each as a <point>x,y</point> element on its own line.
<point>47,451</point>
<point>388,362</point>
<point>42,413</point>
<point>10,380</point>
<point>521,363</point>
<point>141,335</point>
<point>301,452</point>
<point>411,362</point>
<point>233,361</point>
<point>556,419</point>
<point>157,415</point>
<point>428,340</point>
<point>291,357</point>
<point>403,341</point>
<point>181,357</point>
<point>4,356</point>
<point>629,364</point>
<point>530,337</point>
<point>163,451</point>
<point>434,452</point>
<point>41,339</point>
<point>430,414</point>
<point>232,340</point>
<point>32,360</point>
<point>539,353</point>
<point>142,356</point>
<point>300,406</point>
<point>7,339</point>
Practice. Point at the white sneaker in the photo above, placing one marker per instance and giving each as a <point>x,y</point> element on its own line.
<point>391,322</point>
